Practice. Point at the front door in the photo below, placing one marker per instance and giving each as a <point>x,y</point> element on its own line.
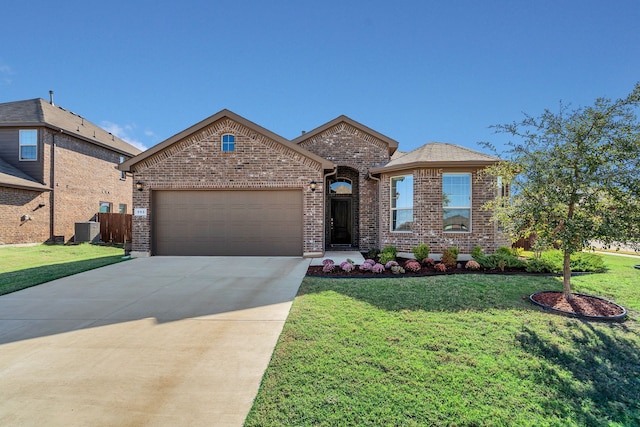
<point>340,221</point>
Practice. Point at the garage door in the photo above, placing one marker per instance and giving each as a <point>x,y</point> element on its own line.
<point>227,223</point>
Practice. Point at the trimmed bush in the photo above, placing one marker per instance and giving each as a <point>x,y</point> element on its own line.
<point>421,251</point>
<point>412,265</point>
<point>476,252</point>
<point>378,268</point>
<point>440,267</point>
<point>373,253</point>
<point>580,261</point>
<point>385,257</point>
<point>539,265</point>
<point>472,265</point>
<point>450,257</point>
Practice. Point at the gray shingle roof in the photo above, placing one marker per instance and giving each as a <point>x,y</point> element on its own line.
<point>15,178</point>
<point>38,112</point>
<point>437,154</point>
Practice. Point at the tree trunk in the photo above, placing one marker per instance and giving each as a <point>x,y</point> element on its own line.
<point>566,276</point>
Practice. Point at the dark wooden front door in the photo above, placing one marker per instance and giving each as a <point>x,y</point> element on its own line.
<point>341,222</point>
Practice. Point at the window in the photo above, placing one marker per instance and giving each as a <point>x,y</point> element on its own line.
<point>28,144</point>
<point>228,143</point>
<point>456,201</point>
<point>122,208</point>
<point>401,203</point>
<point>105,207</point>
<point>341,186</point>
<point>123,174</point>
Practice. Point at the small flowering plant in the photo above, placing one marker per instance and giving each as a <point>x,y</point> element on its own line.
<point>390,264</point>
<point>440,267</point>
<point>377,268</point>
<point>365,266</point>
<point>328,267</point>
<point>428,261</point>
<point>347,267</point>
<point>327,261</point>
<point>472,265</point>
<point>396,269</point>
<point>412,265</point>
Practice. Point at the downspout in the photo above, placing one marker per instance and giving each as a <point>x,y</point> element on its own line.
<point>324,205</point>
<point>377,204</point>
<point>52,200</point>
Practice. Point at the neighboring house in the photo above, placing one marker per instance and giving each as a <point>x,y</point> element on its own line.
<point>227,186</point>
<point>56,169</point>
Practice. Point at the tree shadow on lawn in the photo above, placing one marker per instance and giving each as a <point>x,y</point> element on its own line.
<point>594,367</point>
<point>452,293</point>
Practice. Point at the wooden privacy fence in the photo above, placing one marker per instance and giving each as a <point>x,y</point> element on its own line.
<point>115,227</point>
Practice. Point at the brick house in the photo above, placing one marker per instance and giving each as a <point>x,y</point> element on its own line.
<point>56,169</point>
<point>226,186</point>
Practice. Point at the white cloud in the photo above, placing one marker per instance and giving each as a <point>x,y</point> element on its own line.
<point>124,133</point>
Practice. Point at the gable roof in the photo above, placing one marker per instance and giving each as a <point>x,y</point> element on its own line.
<point>38,112</point>
<point>437,154</point>
<point>391,143</point>
<point>15,178</point>
<point>128,164</point>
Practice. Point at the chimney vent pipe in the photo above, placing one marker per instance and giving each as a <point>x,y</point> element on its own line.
<point>51,97</point>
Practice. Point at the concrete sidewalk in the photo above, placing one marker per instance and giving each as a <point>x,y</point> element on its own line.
<point>160,341</point>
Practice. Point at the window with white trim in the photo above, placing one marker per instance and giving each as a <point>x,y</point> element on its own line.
<point>105,207</point>
<point>456,202</point>
<point>401,203</point>
<point>28,144</point>
<point>228,143</point>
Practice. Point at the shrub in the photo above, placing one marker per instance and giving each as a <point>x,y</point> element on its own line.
<point>412,265</point>
<point>580,261</point>
<point>390,264</point>
<point>440,267</point>
<point>378,268</point>
<point>472,265</point>
<point>450,258</point>
<point>504,250</point>
<point>327,261</point>
<point>454,250</point>
<point>476,252</point>
<point>428,261</point>
<point>396,269</point>
<point>390,249</point>
<point>373,253</point>
<point>539,265</point>
<point>328,268</point>
<point>369,261</point>
<point>421,251</point>
<point>494,261</point>
<point>365,267</point>
<point>347,266</point>
<point>385,257</point>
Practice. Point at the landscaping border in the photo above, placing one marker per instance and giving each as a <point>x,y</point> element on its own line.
<point>617,318</point>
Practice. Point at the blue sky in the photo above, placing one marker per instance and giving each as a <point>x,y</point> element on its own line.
<point>416,71</point>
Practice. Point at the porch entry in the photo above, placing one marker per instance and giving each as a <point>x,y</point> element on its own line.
<point>341,222</point>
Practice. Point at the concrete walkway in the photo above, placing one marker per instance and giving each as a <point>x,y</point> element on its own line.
<point>160,341</point>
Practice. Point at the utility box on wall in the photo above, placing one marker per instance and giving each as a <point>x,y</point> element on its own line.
<point>87,232</point>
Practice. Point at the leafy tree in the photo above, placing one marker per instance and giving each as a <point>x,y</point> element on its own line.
<point>574,177</point>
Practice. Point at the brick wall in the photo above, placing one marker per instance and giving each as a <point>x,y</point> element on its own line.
<point>14,204</point>
<point>84,175</point>
<point>348,146</point>
<point>197,162</point>
<point>428,215</point>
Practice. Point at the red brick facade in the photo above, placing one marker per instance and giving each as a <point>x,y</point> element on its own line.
<point>258,162</point>
<point>80,175</point>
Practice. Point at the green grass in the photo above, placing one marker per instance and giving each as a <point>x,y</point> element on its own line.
<point>23,267</point>
<point>465,350</point>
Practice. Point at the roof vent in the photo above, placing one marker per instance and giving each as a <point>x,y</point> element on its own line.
<point>304,131</point>
<point>51,97</point>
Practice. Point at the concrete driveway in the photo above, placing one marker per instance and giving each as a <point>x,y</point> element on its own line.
<point>161,341</point>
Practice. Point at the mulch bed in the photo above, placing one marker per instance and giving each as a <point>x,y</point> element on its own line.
<point>580,305</point>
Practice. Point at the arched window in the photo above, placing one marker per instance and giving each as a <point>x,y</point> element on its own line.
<point>341,186</point>
<point>228,142</point>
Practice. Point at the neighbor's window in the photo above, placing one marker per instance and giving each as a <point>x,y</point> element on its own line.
<point>105,207</point>
<point>28,144</point>
<point>122,208</point>
<point>123,174</point>
<point>401,203</point>
<point>341,186</point>
<point>456,201</point>
<point>228,143</point>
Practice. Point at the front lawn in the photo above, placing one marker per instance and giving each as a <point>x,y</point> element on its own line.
<point>453,350</point>
<point>22,267</point>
